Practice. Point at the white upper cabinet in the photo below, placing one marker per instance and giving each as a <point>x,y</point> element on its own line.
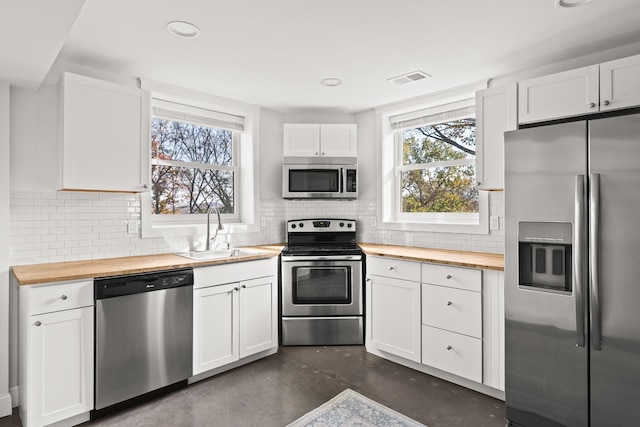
<point>620,83</point>
<point>320,140</point>
<point>604,87</point>
<point>103,135</point>
<point>496,112</point>
<point>566,94</point>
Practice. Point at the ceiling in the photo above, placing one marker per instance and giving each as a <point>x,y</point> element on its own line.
<point>274,54</point>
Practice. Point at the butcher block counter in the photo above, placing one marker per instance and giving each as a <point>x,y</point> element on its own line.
<point>480,260</point>
<point>75,270</point>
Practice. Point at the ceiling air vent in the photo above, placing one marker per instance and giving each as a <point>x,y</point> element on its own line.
<point>409,78</point>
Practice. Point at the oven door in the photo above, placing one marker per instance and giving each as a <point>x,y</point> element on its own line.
<point>322,285</point>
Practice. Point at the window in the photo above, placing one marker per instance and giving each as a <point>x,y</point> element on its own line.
<point>194,161</point>
<point>428,170</point>
<point>203,152</point>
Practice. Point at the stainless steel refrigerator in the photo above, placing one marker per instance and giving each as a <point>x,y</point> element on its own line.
<point>572,273</point>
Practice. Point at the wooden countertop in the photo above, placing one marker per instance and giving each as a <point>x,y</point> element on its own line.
<point>77,270</point>
<point>482,260</point>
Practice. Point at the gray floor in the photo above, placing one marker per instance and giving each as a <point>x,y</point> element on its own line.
<point>278,389</point>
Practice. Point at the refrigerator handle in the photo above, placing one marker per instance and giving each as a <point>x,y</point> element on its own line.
<point>594,260</point>
<point>578,260</point>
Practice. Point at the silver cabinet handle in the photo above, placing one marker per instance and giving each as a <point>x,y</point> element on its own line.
<point>63,297</point>
<point>578,264</point>
<point>449,276</point>
<point>449,303</point>
<point>390,268</point>
<point>592,105</point>
<point>243,286</point>
<point>606,102</point>
<point>449,347</point>
<point>145,186</point>
<point>236,289</point>
<point>368,279</point>
<point>594,277</point>
<point>38,323</point>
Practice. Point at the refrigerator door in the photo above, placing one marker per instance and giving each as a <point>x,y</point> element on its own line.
<point>615,367</point>
<point>546,370</point>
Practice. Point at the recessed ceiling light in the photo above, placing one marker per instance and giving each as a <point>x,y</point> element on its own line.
<point>572,3</point>
<point>183,29</point>
<point>331,82</point>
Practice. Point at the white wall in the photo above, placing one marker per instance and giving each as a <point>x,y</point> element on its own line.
<point>5,398</point>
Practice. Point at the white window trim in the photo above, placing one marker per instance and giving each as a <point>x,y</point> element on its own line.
<point>388,197</point>
<point>248,199</point>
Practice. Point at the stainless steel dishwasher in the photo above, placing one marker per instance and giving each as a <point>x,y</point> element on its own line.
<point>144,325</point>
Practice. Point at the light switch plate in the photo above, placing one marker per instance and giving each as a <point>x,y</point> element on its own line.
<point>494,223</point>
<point>132,226</point>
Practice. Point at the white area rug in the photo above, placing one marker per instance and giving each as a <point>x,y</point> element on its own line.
<point>351,409</point>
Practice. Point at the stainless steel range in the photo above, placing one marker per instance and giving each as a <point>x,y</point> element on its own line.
<point>322,272</point>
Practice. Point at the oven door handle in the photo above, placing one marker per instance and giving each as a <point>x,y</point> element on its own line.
<point>293,258</point>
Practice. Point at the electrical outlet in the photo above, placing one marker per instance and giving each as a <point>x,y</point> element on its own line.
<point>494,223</point>
<point>132,226</point>
<point>263,221</point>
<point>373,221</point>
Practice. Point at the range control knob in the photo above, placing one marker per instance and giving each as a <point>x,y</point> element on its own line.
<point>342,224</point>
<point>293,226</point>
<point>301,225</point>
<point>349,225</point>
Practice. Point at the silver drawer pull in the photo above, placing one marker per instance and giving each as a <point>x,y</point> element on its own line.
<point>449,347</point>
<point>449,303</point>
<point>390,268</point>
<point>38,323</point>
<point>63,297</point>
<point>449,276</point>
<point>236,289</point>
<point>243,286</point>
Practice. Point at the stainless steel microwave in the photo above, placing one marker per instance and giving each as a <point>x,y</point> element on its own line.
<point>320,181</point>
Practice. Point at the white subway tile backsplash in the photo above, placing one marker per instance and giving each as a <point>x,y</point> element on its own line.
<point>68,226</point>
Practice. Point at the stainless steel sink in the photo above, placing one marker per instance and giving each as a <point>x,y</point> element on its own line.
<point>217,254</point>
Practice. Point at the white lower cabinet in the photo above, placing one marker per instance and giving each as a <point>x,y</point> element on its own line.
<point>452,320</point>
<point>233,320</point>
<point>56,352</point>
<point>442,320</point>
<point>393,307</point>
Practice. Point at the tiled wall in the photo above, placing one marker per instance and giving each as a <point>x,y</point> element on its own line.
<point>70,226</point>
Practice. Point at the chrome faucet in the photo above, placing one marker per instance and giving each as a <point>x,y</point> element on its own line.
<point>220,227</point>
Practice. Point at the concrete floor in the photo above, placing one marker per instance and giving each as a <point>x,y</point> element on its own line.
<point>275,391</point>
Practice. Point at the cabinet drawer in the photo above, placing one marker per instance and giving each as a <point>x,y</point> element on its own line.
<point>453,277</point>
<point>395,268</point>
<point>452,309</point>
<point>64,296</point>
<point>233,272</point>
<point>458,354</point>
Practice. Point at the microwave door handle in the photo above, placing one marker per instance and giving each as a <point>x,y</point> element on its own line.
<point>343,171</point>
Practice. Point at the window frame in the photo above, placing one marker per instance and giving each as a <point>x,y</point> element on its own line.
<point>390,152</point>
<point>246,178</point>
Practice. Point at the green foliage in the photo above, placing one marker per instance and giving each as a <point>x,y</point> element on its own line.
<point>442,187</point>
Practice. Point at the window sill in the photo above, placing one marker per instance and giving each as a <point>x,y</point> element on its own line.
<point>436,227</point>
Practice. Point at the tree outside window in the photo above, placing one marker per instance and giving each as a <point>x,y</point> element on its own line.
<point>193,168</point>
<point>437,174</point>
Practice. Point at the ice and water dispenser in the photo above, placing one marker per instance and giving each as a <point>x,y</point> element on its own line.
<point>545,250</point>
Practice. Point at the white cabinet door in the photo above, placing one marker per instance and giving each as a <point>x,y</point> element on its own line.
<point>315,140</point>
<point>338,140</point>
<point>258,315</point>
<point>496,112</point>
<point>104,135</point>
<point>301,140</point>
<point>394,314</point>
<point>620,83</point>
<point>215,323</point>
<point>566,94</point>
<point>60,365</point>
